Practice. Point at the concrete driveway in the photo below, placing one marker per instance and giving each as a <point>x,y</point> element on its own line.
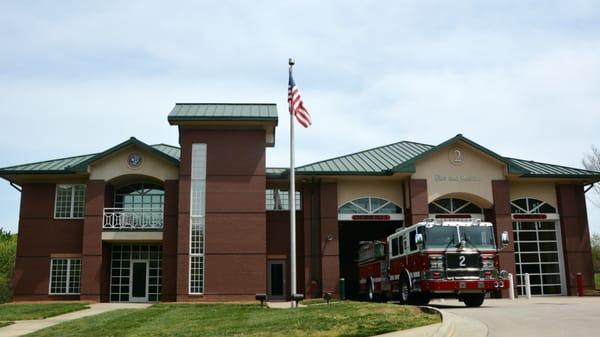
<point>539,316</point>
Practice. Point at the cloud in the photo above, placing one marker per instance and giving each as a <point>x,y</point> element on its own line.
<point>518,77</point>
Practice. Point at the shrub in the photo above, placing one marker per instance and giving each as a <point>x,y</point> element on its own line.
<point>8,251</point>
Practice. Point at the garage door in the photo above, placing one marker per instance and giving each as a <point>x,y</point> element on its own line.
<point>538,252</point>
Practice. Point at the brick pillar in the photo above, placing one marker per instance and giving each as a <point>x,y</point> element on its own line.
<point>330,259</point>
<point>576,246</point>
<point>503,222</point>
<point>183,236</point>
<point>92,268</point>
<point>419,208</point>
<point>311,235</point>
<point>169,245</point>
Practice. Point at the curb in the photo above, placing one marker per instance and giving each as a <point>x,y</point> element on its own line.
<point>447,327</point>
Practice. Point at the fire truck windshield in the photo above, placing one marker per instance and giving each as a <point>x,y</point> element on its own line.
<point>480,237</point>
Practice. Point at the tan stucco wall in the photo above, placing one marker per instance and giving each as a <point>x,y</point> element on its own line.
<point>471,180</point>
<point>116,165</point>
<point>538,190</point>
<point>348,190</point>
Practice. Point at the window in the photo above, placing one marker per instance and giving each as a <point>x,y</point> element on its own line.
<point>65,276</point>
<point>401,245</point>
<point>395,250</point>
<point>70,201</point>
<point>413,242</point>
<point>370,205</point>
<point>197,219</point>
<point>531,206</point>
<point>454,206</point>
<point>276,199</point>
<point>140,197</point>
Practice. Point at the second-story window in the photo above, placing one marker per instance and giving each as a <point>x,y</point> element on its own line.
<point>70,201</point>
<point>278,200</point>
<point>137,197</point>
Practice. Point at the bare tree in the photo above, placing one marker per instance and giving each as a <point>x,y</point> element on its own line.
<point>591,161</point>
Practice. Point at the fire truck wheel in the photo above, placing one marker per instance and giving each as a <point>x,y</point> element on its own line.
<point>473,300</point>
<point>405,295</point>
<point>370,290</point>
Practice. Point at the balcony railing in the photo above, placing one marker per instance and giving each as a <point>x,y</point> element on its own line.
<point>132,219</point>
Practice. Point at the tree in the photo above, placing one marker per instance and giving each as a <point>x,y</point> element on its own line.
<point>8,251</point>
<point>591,161</point>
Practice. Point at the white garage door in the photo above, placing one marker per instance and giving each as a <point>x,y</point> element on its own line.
<point>538,252</point>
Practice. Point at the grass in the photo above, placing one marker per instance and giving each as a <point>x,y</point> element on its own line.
<point>597,280</point>
<point>3,324</point>
<point>317,301</point>
<point>21,311</point>
<point>348,319</point>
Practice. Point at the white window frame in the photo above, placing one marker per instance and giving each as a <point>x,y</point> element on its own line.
<point>72,206</point>
<point>203,216</point>
<point>69,260</point>
<point>284,206</point>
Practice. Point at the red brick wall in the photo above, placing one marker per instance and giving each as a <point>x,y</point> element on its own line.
<point>169,244</point>
<point>236,244</point>
<point>502,221</point>
<point>575,236</point>
<point>419,208</point>
<point>92,266</point>
<point>39,236</point>
<point>330,259</point>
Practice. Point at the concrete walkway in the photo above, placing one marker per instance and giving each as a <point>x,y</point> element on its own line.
<point>20,328</point>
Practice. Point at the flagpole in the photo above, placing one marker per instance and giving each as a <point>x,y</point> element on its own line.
<point>292,198</point>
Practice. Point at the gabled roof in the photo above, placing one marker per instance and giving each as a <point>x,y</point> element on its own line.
<point>131,141</point>
<point>79,163</point>
<point>183,112</point>
<point>410,165</point>
<point>401,157</point>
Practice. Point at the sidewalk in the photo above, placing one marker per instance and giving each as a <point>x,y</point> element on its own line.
<point>20,328</point>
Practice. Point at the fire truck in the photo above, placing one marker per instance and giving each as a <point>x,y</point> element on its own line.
<point>436,258</point>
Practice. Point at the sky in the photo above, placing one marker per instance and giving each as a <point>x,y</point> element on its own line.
<point>519,77</point>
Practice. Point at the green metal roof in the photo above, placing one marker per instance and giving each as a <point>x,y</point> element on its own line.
<point>73,164</point>
<point>377,161</point>
<point>537,169</point>
<point>402,157</point>
<point>382,160</point>
<point>223,112</point>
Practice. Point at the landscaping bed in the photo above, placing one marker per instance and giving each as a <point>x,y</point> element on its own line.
<point>349,319</point>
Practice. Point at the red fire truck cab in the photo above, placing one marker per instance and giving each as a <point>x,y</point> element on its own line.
<point>438,258</point>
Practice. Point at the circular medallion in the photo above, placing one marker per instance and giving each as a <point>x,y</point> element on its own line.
<point>456,156</point>
<point>134,160</point>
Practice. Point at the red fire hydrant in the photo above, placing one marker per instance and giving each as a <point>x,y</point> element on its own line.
<point>579,284</point>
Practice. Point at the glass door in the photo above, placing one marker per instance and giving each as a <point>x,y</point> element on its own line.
<point>139,281</point>
<point>538,252</point>
<point>276,270</point>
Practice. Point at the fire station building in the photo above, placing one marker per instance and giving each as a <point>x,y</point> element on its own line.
<point>207,220</point>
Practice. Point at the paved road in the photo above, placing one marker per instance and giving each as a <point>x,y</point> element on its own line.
<point>540,316</point>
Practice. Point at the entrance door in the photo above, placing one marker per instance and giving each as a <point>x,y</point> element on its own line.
<point>538,252</point>
<point>139,281</point>
<point>276,271</point>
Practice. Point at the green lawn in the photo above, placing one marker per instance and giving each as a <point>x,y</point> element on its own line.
<point>3,324</point>
<point>349,319</point>
<point>20,311</point>
<point>597,279</point>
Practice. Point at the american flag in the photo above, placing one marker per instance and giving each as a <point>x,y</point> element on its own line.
<point>297,107</point>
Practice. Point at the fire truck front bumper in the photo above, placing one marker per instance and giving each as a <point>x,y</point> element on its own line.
<point>446,286</point>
